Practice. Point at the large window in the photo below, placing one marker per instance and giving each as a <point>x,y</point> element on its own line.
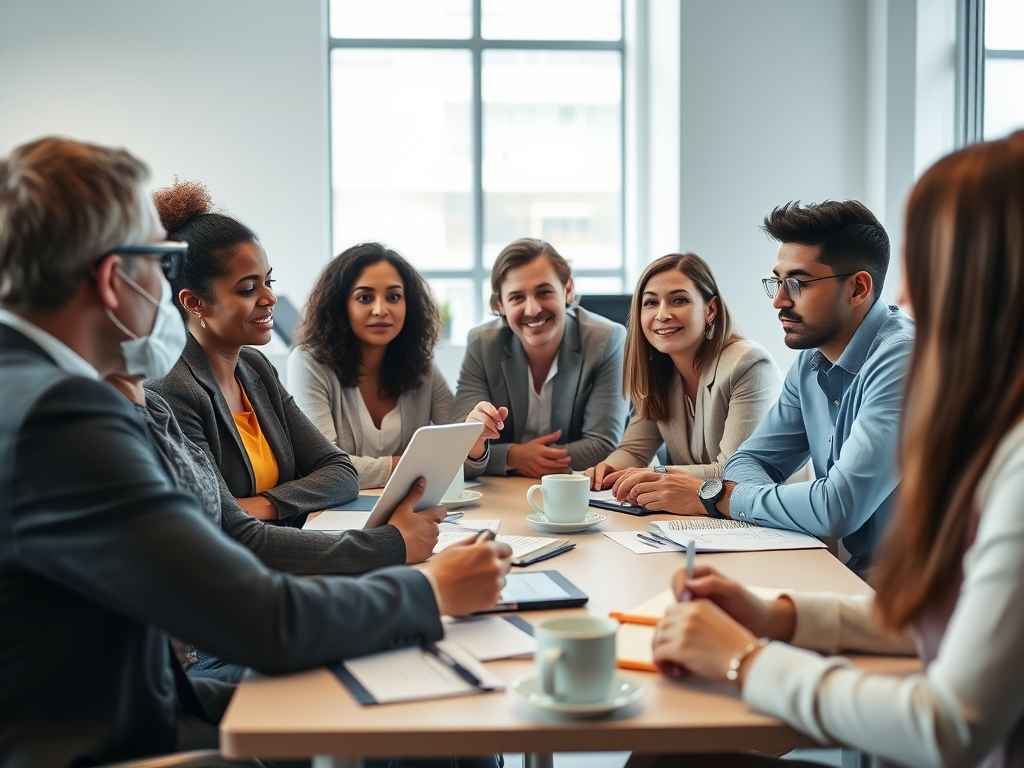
<point>458,126</point>
<point>1004,67</point>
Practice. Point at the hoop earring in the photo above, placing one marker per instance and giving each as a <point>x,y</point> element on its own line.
<point>710,332</point>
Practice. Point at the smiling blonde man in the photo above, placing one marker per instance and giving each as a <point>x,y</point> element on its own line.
<point>546,373</point>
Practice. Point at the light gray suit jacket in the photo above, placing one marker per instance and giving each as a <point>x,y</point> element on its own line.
<point>334,409</point>
<point>732,398</point>
<point>587,403</point>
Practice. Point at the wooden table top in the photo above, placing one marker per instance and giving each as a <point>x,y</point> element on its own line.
<point>313,714</point>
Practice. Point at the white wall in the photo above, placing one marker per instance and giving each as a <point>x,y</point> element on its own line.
<point>230,92</point>
<point>772,110</point>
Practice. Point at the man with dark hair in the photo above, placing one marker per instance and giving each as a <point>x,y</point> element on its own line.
<point>100,555</point>
<point>840,404</point>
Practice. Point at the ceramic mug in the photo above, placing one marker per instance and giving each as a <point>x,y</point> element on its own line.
<point>454,492</point>
<point>566,498</point>
<point>575,658</point>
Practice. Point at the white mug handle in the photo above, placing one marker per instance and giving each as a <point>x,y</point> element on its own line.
<point>548,662</point>
<point>529,498</point>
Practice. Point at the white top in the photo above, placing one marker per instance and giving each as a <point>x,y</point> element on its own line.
<point>969,699</point>
<point>386,441</point>
<point>538,412</point>
<point>64,356</point>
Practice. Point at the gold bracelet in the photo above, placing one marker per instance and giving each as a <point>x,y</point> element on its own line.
<point>733,674</point>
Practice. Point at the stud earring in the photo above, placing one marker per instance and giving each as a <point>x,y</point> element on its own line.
<point>710,332</point>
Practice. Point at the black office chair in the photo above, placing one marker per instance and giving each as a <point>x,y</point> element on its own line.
<point>614,306</point>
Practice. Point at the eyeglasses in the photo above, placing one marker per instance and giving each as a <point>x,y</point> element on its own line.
<point>791,285</point>
<point>170,253</point>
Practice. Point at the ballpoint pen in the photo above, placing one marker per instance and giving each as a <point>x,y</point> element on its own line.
<point>453,665</point>
<point>485,535</point>
<point>691,547</point>
<point>649,541</point>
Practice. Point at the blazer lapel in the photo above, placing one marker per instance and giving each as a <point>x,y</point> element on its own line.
<point>270,426</point>
<point>701,409</point>
<point>516,371</point>
<point>201,371</point>
<point>567,380</point>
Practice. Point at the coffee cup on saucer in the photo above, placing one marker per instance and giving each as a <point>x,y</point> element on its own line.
<point>575,658</point>
<point>566,498</point>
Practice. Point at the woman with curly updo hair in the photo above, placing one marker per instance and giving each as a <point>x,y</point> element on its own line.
<point>229,401</point>
<point>363,369</point>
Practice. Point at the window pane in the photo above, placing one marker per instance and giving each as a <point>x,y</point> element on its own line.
<point>551,19</point>
<point>400,143</point>
<point>1004,24</point>
<point>455,295</point>
<point>444,19</point>
<point>552,153</point>
<point>596,286</point>
<point>1004,97</point>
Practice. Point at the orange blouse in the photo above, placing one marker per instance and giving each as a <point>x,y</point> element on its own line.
<point>261,457</point>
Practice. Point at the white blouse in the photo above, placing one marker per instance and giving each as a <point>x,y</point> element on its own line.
<point>386,441</point>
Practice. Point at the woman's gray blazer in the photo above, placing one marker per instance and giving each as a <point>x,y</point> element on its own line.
<point>334,409</point>
<point>314,474</point>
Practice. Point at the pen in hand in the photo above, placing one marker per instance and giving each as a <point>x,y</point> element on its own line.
<point>485,535</point>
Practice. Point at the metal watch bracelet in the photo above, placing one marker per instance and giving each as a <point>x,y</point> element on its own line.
<point>736,661</point>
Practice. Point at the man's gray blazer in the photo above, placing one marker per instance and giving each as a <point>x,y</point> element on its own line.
<point>587,403</point>
<point>101,557</point>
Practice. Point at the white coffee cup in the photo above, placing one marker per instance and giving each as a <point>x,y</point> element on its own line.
<point>575,658</point>
<point>454,492</point>
<point>565,497</point>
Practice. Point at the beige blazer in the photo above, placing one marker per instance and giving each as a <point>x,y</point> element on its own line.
<point>732,398</point>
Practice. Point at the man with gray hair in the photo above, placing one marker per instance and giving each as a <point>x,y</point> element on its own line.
<point>100,555</point>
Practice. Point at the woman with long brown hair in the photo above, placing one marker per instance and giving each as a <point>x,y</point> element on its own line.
<point>697,385</point>
<point>951,575</point>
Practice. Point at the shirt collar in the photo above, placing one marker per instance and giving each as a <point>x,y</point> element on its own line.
<point>64,356</point>
<point>856,352</point>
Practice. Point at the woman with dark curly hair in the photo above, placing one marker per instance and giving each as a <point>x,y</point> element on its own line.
<point>363,370</point>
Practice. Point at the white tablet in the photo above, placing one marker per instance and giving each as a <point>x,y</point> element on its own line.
<point>434,453</point>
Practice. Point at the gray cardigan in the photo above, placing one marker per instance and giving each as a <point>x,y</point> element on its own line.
<point>587,403</point>
<point>334,409</point>
<point>314,474</point>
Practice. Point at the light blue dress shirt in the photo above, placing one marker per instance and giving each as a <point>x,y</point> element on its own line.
<point>844,417</point>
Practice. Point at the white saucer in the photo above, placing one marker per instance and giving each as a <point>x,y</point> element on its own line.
<point>540,522</point>
<point>624,692</point>
<point>468,497</point>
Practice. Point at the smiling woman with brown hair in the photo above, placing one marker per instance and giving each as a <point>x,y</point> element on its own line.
<point>697,385</point>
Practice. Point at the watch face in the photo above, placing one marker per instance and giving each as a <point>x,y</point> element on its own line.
<point>711,488</point>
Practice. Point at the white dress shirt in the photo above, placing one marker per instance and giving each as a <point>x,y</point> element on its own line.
<point>538,412</point>
<point>64,356</point>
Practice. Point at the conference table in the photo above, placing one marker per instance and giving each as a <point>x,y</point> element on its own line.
<point>313,715</point>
